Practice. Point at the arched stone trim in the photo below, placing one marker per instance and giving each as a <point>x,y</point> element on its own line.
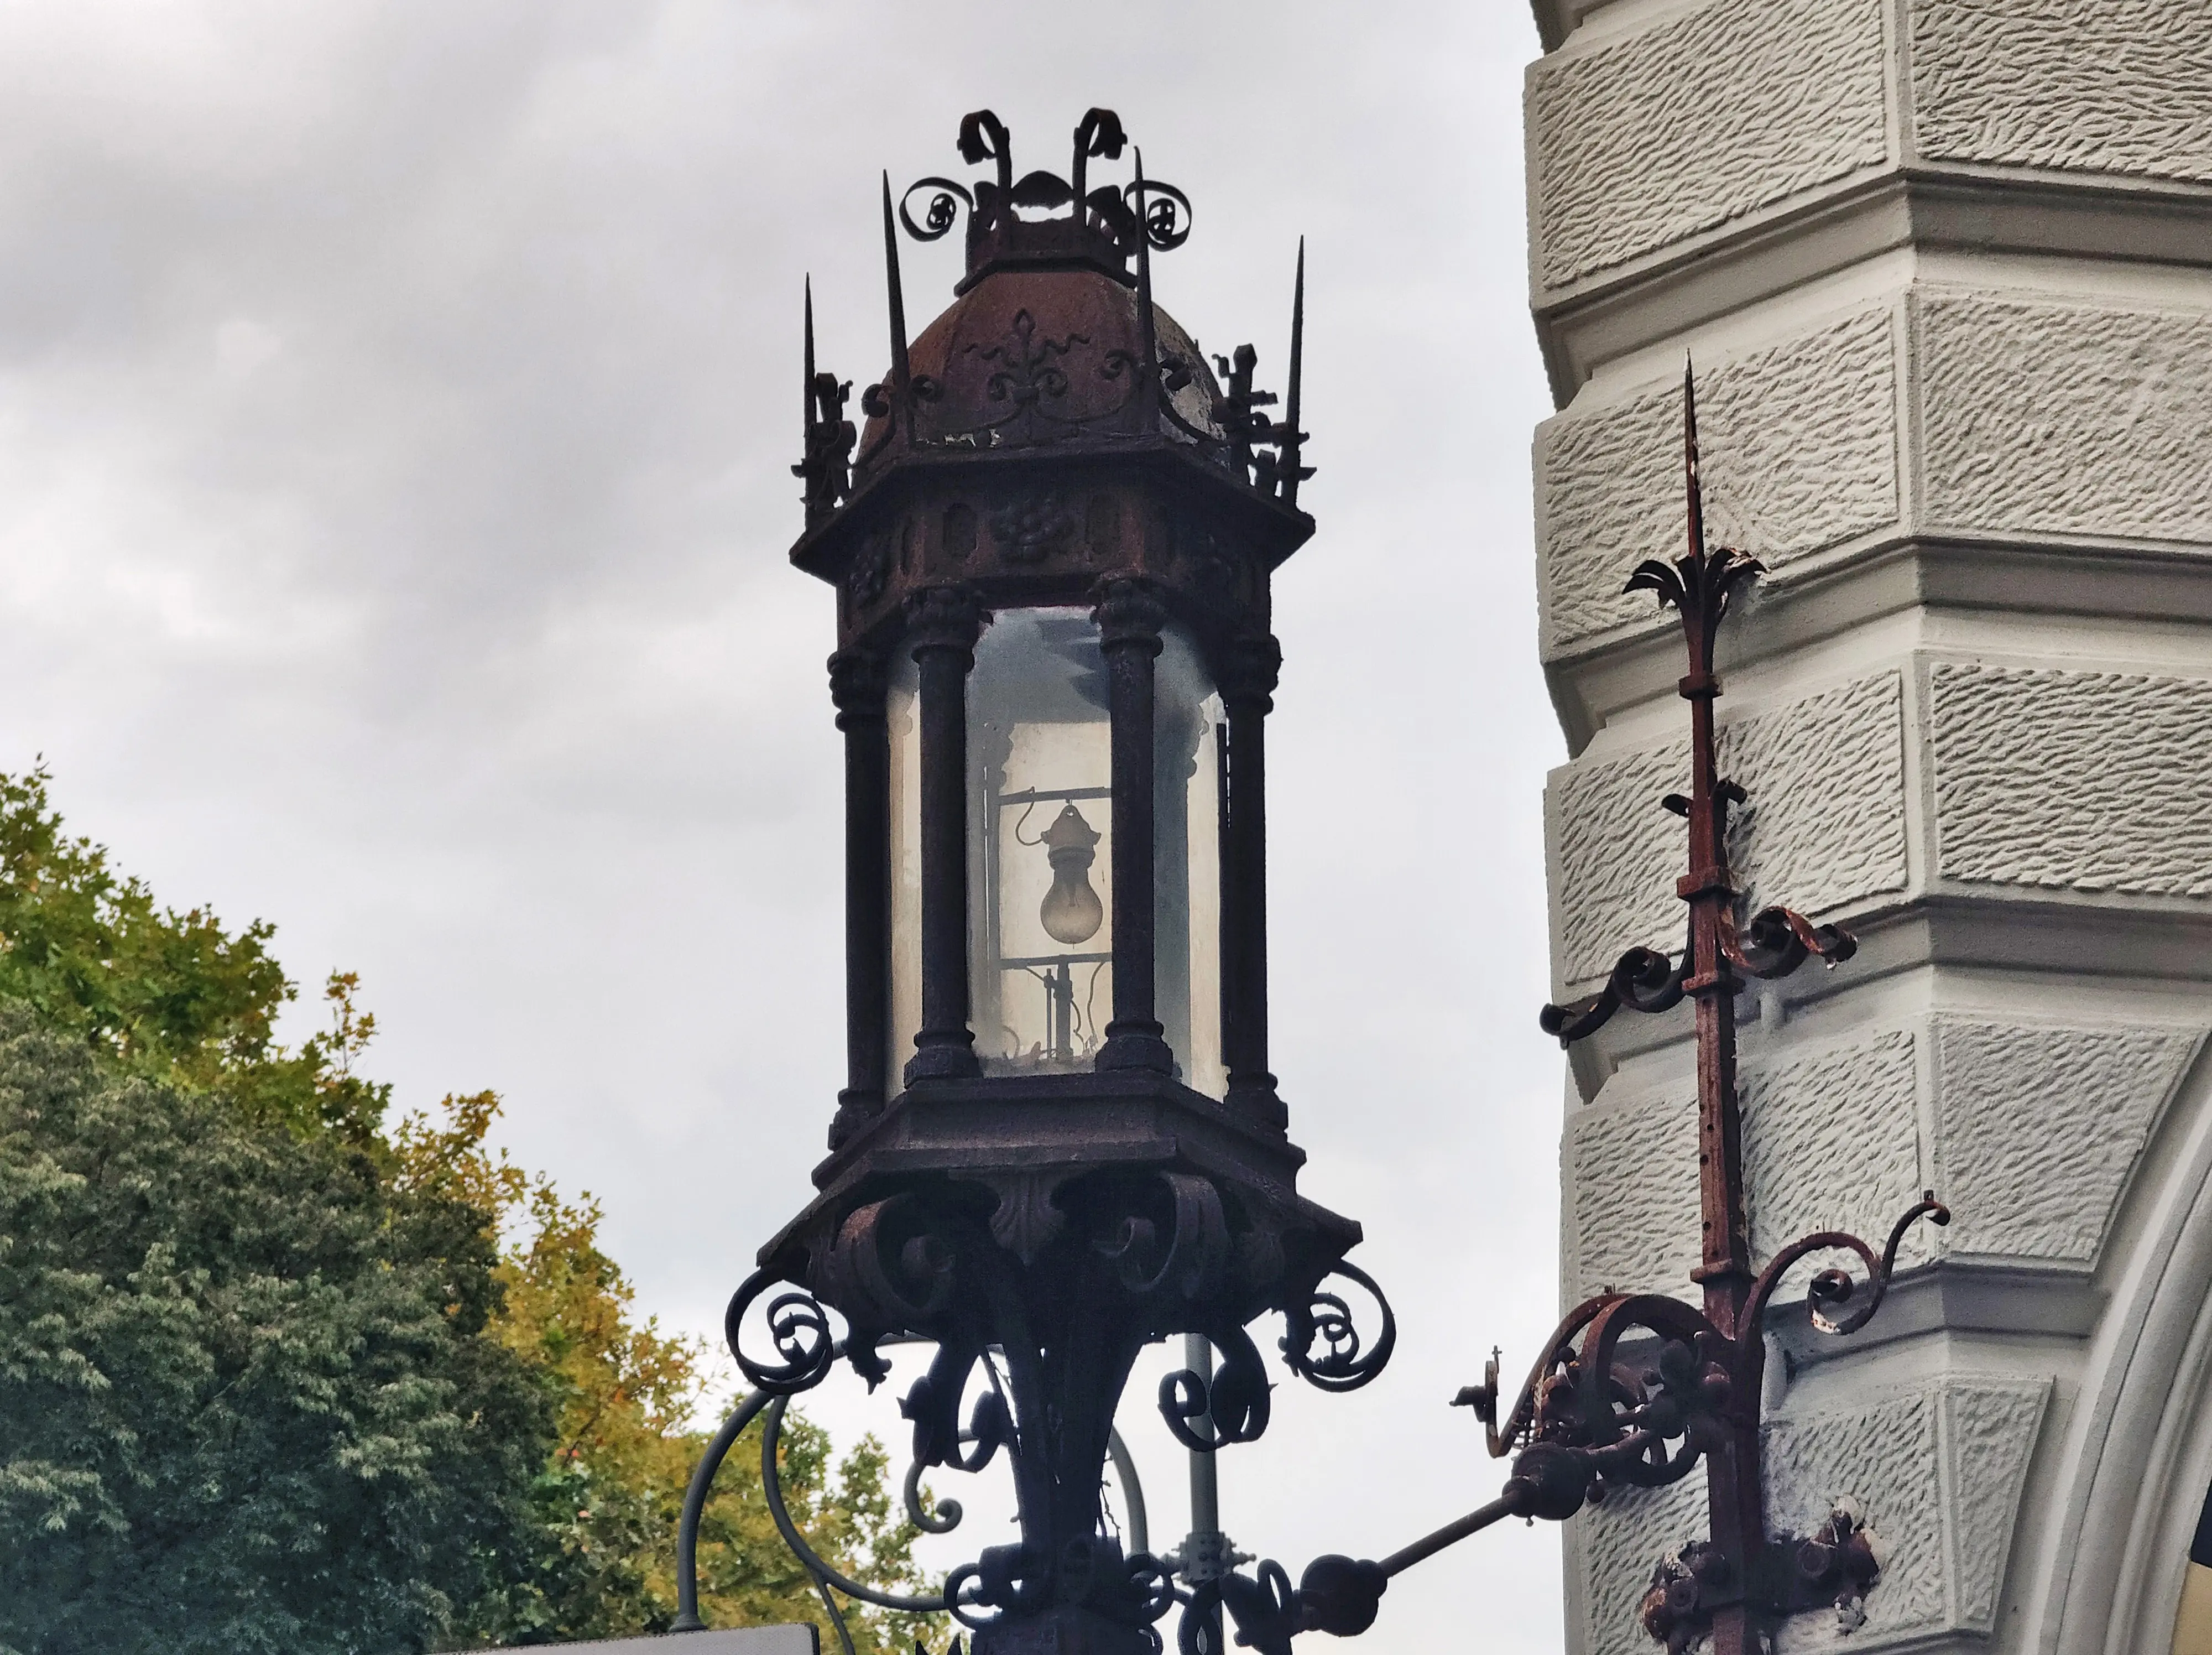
<point>2137,1455</point>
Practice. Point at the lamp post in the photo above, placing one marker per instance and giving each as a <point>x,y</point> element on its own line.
<point>1060,1139</point>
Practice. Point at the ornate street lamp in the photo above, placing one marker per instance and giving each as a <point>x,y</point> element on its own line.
<point>1059,1141</point>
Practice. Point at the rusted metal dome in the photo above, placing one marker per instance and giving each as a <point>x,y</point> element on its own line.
<point>1033,354</point>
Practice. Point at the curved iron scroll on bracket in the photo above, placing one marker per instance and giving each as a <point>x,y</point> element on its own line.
<point>794,1317</point>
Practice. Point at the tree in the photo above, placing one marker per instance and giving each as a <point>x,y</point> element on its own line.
<point>612,1489</point>
<point>167,994</point>
<point>247,1399</point>
<point>273,1375</point>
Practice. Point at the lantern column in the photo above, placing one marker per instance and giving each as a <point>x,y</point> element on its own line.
<point>1247,689</point>
<point>857,686</point>
<point>1130,618</point>
<point>944,623</point>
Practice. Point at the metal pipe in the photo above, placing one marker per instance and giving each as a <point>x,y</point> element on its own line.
<point>1132,1493</point>
<point>1205,1480</point>
<point>694,1506</point>
<point>1205,1556</point>
<point>1451,1535</point>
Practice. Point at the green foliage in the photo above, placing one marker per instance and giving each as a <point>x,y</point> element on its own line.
<point>610,1495</point>
<point>274,1378</point>
<point>241,1407</point>
<point>171,995</point>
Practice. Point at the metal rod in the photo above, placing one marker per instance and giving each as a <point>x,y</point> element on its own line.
<point>1205,1480</point>
<point>695,1506</point>
<point>1204,1548</point>
<point>1247,689</point>
<point>1293,445</point>
<point>1451,1535</point>
<point>902,369</point>
<point>806,387</point>
<point>1733,1475</point>
<point>1150,392</point>
<point>1132,1493</point>
<point>772,1486</point>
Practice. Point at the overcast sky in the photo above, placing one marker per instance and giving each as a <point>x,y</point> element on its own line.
<point>396,406</point>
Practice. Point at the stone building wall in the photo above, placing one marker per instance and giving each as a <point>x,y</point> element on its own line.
<point>1945,270</point>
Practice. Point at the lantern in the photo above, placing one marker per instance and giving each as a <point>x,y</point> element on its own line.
<point>1059,1139</point>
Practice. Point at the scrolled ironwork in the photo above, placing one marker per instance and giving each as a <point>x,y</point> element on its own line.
<point>950,200</point>
<point>1833,1287</point>
<point>1165,212</point>
<point>1777,940</point>
<point>1346,1361</point>
<point>799,1328</point>
<point>1005,1579</point>
<point>932,1404</point>
<point>943,1518</point>
<point>1234,1397</point>
<point>815,1564</point>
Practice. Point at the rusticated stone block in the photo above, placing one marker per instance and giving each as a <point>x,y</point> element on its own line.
<point>1936,1471</point>
<point>1799,453</point>
<point>1885,1458</point>
<point>1826,825</point>
<point>1611,1552</point>
<point>1699,119</point>
<point>2044,417</point>
<point>2088,781</point>
<point>2038,1130</point>
<point>1831,1141</point>
<point>1633,1194</point>
<point>2078,85</point>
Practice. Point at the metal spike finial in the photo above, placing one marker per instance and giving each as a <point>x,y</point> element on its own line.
<point>902,371</point>
<point>1690,456</point>
<point>1294,438</point>
<point>806,384</point>
<point>1145,327</point>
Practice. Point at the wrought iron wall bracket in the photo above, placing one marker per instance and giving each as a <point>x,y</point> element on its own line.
<point>1636,1391</point>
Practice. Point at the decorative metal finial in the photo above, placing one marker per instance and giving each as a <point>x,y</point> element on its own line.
<point>1289,441</point>
<point>826,453</point>
<point>1105,223</point>
<point>902,370</point>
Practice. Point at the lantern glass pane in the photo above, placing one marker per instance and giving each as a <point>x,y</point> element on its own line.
<point>902,708</point>
<point>1041,843</point>
<point>1188,739</point>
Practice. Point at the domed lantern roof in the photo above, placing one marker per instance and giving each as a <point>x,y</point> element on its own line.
<point>1053,426</point>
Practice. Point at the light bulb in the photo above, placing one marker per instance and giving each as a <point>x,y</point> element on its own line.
<point>1070,911</point>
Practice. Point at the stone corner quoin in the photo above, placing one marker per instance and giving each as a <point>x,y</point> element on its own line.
<point>1945,269</point>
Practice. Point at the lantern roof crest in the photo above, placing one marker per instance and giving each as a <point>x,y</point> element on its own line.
<point>1027,440</point>
<point>1042,219</point>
